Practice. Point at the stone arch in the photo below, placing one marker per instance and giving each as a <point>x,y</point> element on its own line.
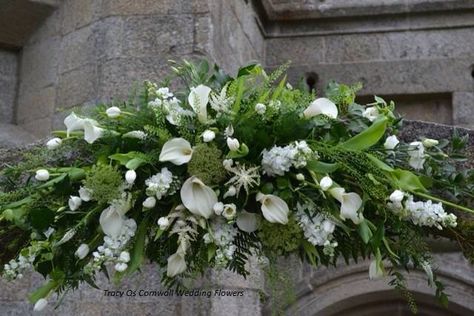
<point>346,290</point>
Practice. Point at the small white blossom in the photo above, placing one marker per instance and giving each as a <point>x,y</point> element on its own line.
<point>74,202</point>
<point>42,175</point>
<point>325,183</point>
<point>208,136</point>
<point>85,194</point>
<point>428,142</point>
<point>40,305</point>
<point>229,212</point>
<point>135,134</point>
<point>371,113</point>
<point>391,142</point>
<point>232,191</point>
<point>82,251</point>
<point>54,143</point>
<point>149,202</point>
<point>218,208</point>
<point>260,108</point>
<point>160,184</point>
<point>300,177</point>
<point>163,222</point>
<point>113,112</point>
<point>121,266</point>
<point>417,155</point>
<point>233,143</point>
<point>130,176</point>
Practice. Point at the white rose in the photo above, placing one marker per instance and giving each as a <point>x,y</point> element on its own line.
<point>163,222</point>
<point>208,136</point>
<point>233,143</point>
<point>149,202</point>
<point>42,175</point>
<point>397,196</point>
<point>54,143</point>
<point>325,183</point>
<point>113,112</point>
<point>130,176</point>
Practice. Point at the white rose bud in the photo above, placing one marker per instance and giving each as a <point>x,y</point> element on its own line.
<point>397,196</point>
<point>163,222</point>
<point>130,176</point>
<point>54,143</point>
<point>113,112</point>
<point>149,202</point>
<point>82,251</point>
<point>74,202</point>
<point>218,208</point>
<point>42,175</point>
<point>428,142</point>
<point>120,267</point>
<point>40,305</point>
<point>233,143</point>
<point>391,142</point>
<point>124,256</point>
<point>300,177</point>
<point>260,108</point>
<point>325,183</point>
<point>208,136</point>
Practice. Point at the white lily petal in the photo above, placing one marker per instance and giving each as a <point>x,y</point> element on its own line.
<point>82,251</point>
<point>337,193</point>
<point>91,131</point>
<point>198,198</point>
<point>198,99</point>
<point>74,202</point>
<point>375,271</point>
<point>177,151</point>
<point>85,194</point>
<point>321,106</point>
<point>274,209</point>
<point>351,203</point>
<point>40,305</point>
<point>73,123</point>
<point>111,221</point>
<point>176,265</point>
<point>247,222</point>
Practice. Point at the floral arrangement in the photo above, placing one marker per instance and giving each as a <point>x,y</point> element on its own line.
<point>224,169</point>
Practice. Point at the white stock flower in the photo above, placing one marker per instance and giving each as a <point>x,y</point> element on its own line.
<point>163,222</point>
<point>130,176</point>
<point>82,251</point>
<point>371,113</point>
<point>42,175</point>
<point>198,198</point>
<point>54,143</point>
<point>111,220</point>
<point>350,204</point>
<point>121,266</point>
<point>428,142</point>
<point>397,196</point>
<point>198,99</point>
<point>260,108</point>
<point>91,131</point>
<point>113,112</point>
<point>233,143</point>
<point>391,142</point>
<point>274,208</point>
<point>74,202</point>
<point>247,222</point>
<point>417,155</point>
<point>230,210</point>
<point>85,194</point>
<point>124,256</point>
<point>176,265</point>
<point>208,136</point>
<point>40,305</point>
<point>321,106</point>
<point>135,134</point>
<point>149,202</point>
<point>325,183</point>
<point>177,151</point>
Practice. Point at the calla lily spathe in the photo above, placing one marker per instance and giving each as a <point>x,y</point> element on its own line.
<point>111,220</point>
<point>350,204</point>
<point>177,151</point>
<point>176,265</point>
<point>274,209</point>
<point>197,197</point>
<point>198,99</point>
<point>321,106</point>
<point>247,222</point>
<point>376,270</point>
<point>91,131</point>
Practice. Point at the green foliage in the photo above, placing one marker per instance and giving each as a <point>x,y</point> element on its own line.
<point>281,239</point>
<point>206,164</point>
<point>105,182</point>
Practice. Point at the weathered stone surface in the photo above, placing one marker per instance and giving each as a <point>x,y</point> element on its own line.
<point>77,86</point>
<point>463,109</point>
<point>77,14</point>
<point>34,105</point>
<point>78,49</point>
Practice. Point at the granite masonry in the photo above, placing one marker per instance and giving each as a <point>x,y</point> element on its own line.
<point>58,54</point>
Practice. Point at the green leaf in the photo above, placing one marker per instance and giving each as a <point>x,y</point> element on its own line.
<point>279,88</point>
<point>321,167</point>
<point>367,138</point>
<point>43,291</point>
<point>134,163</point>
<point>364,231</point>
<point>311,252</point>
<point>138,253</point>
<point>131,160</point>
<point>211,252</point>
<point>382,165</point>
<point>239,153</point>
<point>41,218</point>
<point>407,180</point>
<point>249,69</point>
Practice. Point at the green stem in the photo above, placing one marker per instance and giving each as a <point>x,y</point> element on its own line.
<point>459,207</point>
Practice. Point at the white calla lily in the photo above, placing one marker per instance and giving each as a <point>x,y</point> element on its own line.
<point>350,204</point>
<point>321,106</point>
<point>73,123</point>
<point>111,220</point>
<point>198,99</point>
<point>376,271</point>
<point>177,151</point>
<point>274,208</point>
<point>91,131</point>
<point>176,265</point>
<point>198,198</point>
<point>247,222</point>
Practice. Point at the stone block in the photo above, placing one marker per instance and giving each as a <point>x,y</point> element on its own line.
<point>298,50</point>
<point>109,39</point>
<point>8,64</point>
<point>40,128</point>
<point>34,105</point>
<point>7,99</point>
<point>78,13</point>
<point>157,36</point>
<point>13,136</point>
<point>351,48</point>
<point>463,109</point>
<point>49,28</point>
<point>78,48</point>
<point>39,64</point>
<point>77,86</point>
<point>152,7</point>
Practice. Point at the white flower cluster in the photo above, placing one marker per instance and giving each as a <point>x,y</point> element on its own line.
<point>112,251</point>
<point>170,105</point>
<point>15,268</point>
<point>317,229</point>
<point>222,235</point>
<point>417,155</point>
<point>279,160</point>
<point>420,213</point>
<point>160,184</point>
<point>221,103</point>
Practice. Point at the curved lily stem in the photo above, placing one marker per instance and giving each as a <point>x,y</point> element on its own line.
<point>459,207</point>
